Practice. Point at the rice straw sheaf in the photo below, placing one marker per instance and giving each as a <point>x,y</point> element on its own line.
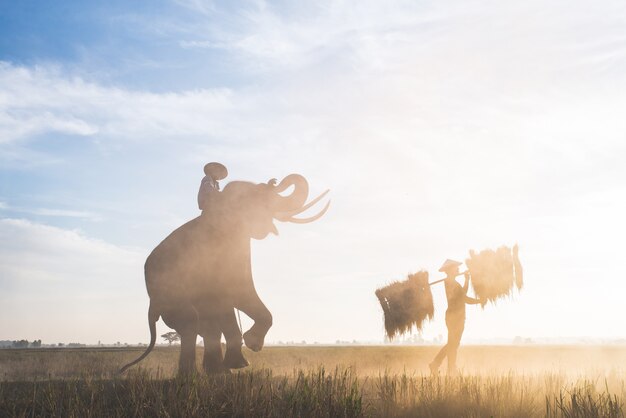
<point>495,273</point>
<point>406,304</point>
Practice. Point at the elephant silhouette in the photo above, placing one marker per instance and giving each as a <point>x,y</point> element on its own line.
<point>199,273</point>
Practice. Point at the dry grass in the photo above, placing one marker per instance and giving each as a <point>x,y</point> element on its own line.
<point>495,273</point>
<point>320,381</point>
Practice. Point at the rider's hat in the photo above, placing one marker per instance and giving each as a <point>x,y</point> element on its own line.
<point>216,171</point>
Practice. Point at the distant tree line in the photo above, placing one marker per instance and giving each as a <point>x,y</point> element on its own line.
<point>20,344</point>
<point>170,337</point>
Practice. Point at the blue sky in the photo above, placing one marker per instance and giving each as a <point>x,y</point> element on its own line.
<point>132,44</point>
<point>438,128</point>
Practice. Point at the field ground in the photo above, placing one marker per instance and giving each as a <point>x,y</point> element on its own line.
<point>520,381</point>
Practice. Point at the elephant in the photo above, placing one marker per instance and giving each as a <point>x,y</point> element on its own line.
<point>202,270</point>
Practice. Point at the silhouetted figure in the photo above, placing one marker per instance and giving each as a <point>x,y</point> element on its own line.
<point>202,270</point>
<point>210,186</point>
<point>455,315</point>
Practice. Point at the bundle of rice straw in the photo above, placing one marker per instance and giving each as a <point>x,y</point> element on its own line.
<point>494,273</point>
<point>406,304</point>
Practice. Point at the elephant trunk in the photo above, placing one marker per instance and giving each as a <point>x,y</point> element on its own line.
<point>288,207</point>
<point>296,199</point>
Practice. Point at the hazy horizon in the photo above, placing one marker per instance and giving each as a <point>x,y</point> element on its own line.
<point>438,128</point>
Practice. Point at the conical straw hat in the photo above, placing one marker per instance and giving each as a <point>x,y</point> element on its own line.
<point>448,264</point>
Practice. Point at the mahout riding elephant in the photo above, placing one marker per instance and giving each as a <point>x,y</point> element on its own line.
<point>202,270</point>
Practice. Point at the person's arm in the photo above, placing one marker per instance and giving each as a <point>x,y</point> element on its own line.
<point>466,285</point>
<point>471,301</point>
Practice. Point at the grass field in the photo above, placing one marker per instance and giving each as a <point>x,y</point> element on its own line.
<point>516,381</point>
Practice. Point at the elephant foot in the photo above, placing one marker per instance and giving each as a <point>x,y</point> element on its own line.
<point>186,370</point>
<point>214,368</point>
<point>253,342</point>
<point>234,359</point>
<point>212,362</point>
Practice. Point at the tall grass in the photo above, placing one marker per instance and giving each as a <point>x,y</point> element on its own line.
<point>83,383</point>
<point>494,396</point>
<point>251,394</point>
<point>310,393</point>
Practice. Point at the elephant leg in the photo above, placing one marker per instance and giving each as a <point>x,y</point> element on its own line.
<point>212,359</point>
<point>233,359</point>
<point>187,362</point>
<point>262,317</point>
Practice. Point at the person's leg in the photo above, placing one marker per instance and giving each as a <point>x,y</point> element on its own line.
<point>441,355</point>
<point>434,365</point>
<point>454,341</point>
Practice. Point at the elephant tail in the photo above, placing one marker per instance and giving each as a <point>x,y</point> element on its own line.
<point>153,317</point>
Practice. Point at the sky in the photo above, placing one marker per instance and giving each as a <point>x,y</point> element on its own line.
<point>439,127</point>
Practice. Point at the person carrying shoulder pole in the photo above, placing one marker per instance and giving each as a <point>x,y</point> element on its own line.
<point>455,315</point>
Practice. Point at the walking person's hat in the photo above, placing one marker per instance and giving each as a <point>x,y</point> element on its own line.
<point>448,264</point>
<point>216,171</point>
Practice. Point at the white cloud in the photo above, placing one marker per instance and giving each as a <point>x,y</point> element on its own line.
<point>63,213</point>
<point>41,99</point>
<point>457,37</point>
<point>59,285</point>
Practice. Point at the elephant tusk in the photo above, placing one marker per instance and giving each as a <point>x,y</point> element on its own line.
<point>286,216</point>
<point>311,219</point>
